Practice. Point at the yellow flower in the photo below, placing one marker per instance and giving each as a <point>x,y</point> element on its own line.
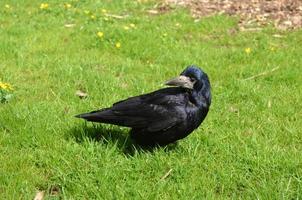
<point>132,25</point>
<point>272,48</point>
<point>118,45</point>
<point>104,11</point>
<point>247,50</point>
<point>44,6</point>
<point>126,27</point>
<point>6,86</point>
<point>67,5</point>
<point>92,16</point>
<point>177,24</point>
<point>2,86</point>
<point>7,6</point>
<point>100,34</point>
<point>165,34</point>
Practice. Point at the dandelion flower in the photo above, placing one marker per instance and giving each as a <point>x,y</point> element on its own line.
<point>165,34</point>
<point>118,45</point>
<point>7,6</point>
<point>247,50</point>
<point>104,11</point>
<point>2,86</point>
<point>177,24</point>
<point>67,5</point>
<point>272,48</point>
<point>93,17</point>
<point>132,25</point>
<point>6,86</point>
<point>100,34</point>
<point>44,6</point>
<point>126,28</point>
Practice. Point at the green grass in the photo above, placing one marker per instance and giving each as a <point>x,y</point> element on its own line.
<point>249,146</point>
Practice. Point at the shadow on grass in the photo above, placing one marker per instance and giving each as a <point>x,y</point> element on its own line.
<point>112,135</point>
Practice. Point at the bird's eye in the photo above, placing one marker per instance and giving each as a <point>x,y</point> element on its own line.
<point>192,79</point>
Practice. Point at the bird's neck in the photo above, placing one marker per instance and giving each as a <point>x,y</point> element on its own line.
<point>201,98</point>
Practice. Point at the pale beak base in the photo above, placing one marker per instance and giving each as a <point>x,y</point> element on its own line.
<point>181,81</point>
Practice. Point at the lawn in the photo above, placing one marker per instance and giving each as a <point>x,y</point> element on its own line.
<point>249,146</point>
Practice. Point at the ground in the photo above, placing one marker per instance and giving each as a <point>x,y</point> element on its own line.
<point>282,14</point>
<point>61,59</point>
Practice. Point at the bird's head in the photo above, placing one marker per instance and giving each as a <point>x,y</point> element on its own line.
<point>192,78</point>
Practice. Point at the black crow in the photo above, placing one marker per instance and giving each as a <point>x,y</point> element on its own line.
<point>163,116</point>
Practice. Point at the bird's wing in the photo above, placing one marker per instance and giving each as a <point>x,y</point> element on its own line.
<point>155,111</point>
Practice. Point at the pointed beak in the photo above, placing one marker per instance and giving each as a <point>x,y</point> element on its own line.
<point>181,81</point>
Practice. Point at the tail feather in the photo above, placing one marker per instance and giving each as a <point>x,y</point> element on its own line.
<point>86,116</point>
<point>109,116</point>
<point>96,116</point>
<point>103,116</point>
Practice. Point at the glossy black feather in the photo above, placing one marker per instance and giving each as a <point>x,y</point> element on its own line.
<point>163,116</point>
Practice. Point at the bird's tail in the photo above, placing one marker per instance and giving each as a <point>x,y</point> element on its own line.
<point>105,115</point>
<point>95,116</point>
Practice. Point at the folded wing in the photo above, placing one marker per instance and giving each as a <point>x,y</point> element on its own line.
<point>156,111</point>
